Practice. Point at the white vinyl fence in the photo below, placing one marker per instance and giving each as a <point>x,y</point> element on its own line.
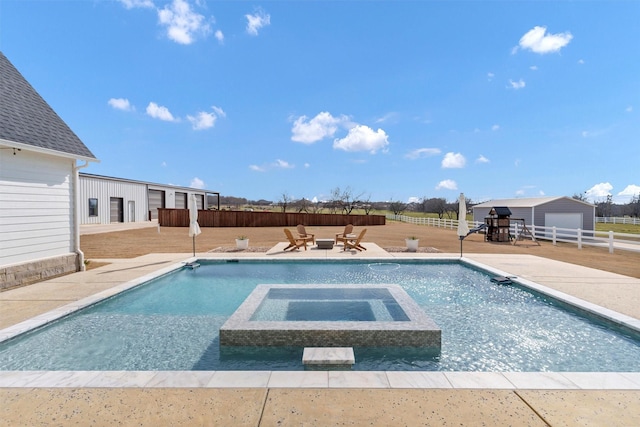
<point>610,240</point>
<point>618,220</point>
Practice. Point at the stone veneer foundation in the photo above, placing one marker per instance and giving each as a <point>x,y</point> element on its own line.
<point>418,330</point>
<point>36,271</point>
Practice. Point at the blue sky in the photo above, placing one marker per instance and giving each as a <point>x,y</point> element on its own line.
<point>396,100</point>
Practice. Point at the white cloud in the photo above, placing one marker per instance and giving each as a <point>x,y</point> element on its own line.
<point>413,199</point>
<point>278,164</point>
<point>581,61</point>
<point>205,120</point>
<point>159,112</point>
<point>520,193</point>
<point>197,183</point>
<point>537,40</point>
<point>387,117</point>
<point>183,24</point>
<point>307,165</point>
<point>482,159</point>
<point>202,120</point>
<point>453,161</point>
<point>422,152</point>
<point>599,191</point>
<point>257,21</point>
<point>541,193</point>
<point>516,85</point>
<point>490,76</point>
<point>132,4</point>
<point>495,127</point>
<point>281,164</point>
<point>629,109</point>
<point>219,36</point>
<point>534,68</point>
<point>163,164</point>
<point>447,184</point>
<point>120,104</point>
<point>630,190</point>
<point>362,138</point>
<point>322,126</point>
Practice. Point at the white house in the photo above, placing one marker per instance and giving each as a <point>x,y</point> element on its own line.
<point>560,212</point>
<point>39,161</point>
<point>105,199</point>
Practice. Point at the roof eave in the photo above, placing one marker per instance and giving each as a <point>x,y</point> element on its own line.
<point>27,147</point>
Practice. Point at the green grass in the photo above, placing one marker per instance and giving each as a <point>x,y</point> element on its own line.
<point>618,228</point>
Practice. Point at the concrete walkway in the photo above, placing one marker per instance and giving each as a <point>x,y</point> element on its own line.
<point>263,398</point>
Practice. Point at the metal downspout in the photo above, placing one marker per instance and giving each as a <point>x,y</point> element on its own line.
<point>76,213</point>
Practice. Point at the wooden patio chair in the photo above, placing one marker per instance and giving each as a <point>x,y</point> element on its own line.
<point>302,233</point>
<point>355,243</point>
<point>293,242</point>
<point>341,237</point>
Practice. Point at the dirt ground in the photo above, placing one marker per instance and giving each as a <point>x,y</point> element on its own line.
<point>133,243</point>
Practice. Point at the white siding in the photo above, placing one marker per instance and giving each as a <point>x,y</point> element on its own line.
<point>104,189</point>
<point>36,206</point>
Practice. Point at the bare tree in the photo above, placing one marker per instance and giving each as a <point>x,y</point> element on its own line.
<point>366,204</point>
<point>633,207</point>
<point>285,201</point>
<point>302,205</point>
<point>344,200</point>
<point>397,207</point>
<point>580,196</point>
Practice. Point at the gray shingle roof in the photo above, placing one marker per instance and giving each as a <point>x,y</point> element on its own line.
<point>26,118</point>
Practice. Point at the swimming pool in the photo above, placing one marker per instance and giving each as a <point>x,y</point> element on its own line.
<point>485,326</point>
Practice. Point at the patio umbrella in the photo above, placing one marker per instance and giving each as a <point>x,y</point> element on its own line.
<point>463,227</point>
<point>194,227</point>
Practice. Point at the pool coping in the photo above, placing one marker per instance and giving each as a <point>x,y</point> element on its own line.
<point>321,379</point>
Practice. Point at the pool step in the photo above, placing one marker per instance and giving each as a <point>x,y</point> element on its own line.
<point>328,357</point>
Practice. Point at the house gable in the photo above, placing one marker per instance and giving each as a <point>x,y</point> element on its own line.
<point>26,118</point>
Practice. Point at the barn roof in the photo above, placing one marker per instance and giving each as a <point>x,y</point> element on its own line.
<point>528,202</point>
<point>27,119</point>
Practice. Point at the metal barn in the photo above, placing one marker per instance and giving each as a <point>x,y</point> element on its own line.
<point>561,212</point>
<point>105,199</point>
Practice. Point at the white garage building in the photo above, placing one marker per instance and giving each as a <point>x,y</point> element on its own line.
<point>105,199</point>
<point>560,212</point>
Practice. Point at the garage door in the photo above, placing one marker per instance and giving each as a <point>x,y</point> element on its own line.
<point>156,200</point>
<point>181,200</point>
<point>571,221</point>
<point>116,212</point>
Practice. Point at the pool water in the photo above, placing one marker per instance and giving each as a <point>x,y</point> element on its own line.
<point>172,323</point>
<point>329,305</point>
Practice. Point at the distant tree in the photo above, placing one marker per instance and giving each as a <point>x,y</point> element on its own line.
<point>435,205</point>
<point>344,200</point>
<point>302,205</point>
<point>580,196</point>
<point>365,204</point>
<point>397,207</point>
<point>316,207</point>
<point>605,208</point>
<point>633,207</point>
<point>285,201</point>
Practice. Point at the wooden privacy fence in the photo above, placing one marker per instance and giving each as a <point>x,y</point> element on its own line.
<point>180,218</point>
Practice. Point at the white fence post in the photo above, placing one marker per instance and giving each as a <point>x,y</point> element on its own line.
<point>553,235</point>
<point>579,238</point>
<point>610,242</point>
